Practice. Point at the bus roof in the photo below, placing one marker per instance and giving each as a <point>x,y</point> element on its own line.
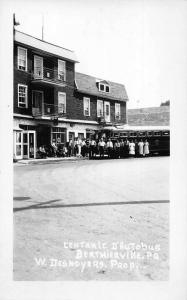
<point>127,127</point>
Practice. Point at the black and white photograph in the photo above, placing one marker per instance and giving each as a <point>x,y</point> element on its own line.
<point>94,89</point>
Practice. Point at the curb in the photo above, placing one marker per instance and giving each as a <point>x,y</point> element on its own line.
<point>49,161</point>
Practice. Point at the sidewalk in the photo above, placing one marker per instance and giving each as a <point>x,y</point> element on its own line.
<point>49,160</point>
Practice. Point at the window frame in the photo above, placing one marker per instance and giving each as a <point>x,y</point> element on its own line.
<point>157,133</point>
<point>107,117</point>
<point>100,101</point>
<point>64,103</point>
<point>104,87</point>
<point>116,115</point>
<point>108,88</point>
<point>26,92</point>
<point>58,134</point>
<point>84,105</point>
<point>18,48</point>
<point>64,71</point>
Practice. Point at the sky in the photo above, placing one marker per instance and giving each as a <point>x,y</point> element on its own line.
<point>140,44</point>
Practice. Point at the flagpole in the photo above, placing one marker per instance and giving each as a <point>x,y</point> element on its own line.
<point>42,27</point>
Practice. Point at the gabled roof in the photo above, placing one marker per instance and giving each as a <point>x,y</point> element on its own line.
<point>36,43</point>
<point>88,84</point>
<point>149,116</point>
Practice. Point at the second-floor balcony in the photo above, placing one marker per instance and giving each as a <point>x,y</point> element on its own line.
<point>48,76</point>
<point>117,117</point>
<point>49,110</point>
<point>103,118</point>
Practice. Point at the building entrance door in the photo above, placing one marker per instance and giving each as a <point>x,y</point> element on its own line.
<point>72,136</point>
<point>18,150</point>
<point>29,144</point>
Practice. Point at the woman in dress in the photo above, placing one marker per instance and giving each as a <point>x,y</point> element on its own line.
<point>79,145</point>
<point>146,148</point>
<point>132,149</point>
<point>141,146</point>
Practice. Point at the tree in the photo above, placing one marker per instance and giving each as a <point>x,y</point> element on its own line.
<point>166,103</point>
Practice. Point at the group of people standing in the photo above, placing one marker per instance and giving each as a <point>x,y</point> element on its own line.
<point>122,149</point>
<point>92,148</point>
<point>113,149</point>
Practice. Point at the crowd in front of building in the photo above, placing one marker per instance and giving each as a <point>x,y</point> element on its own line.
<point>93,148</point>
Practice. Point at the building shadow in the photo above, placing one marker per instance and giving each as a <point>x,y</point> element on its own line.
<point>43,205</point>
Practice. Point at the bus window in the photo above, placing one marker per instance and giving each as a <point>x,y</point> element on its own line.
<point>157,133</point>
<point>142,133</point>
<point>116,135</point>
<point>123,134</point>
<point>149,133</point>
<point>165,133</point>
<point>133,134</point>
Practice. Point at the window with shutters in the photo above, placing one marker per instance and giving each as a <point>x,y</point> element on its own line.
<point>86,106</point>
<point>99,108</point>
<point>22,59</point>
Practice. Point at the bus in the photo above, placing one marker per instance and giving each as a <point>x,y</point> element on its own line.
<point>157,136</point>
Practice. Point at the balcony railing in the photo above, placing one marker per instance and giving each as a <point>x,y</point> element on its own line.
<point>117,117</point>
<point>49,110</point>
<point>48,75</point>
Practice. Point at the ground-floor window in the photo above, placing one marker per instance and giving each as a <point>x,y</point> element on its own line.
<point>58,135</point>
<point>81,135</point>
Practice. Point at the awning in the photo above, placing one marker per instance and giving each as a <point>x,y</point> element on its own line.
<point>90,131</point>
<point>17,129</point>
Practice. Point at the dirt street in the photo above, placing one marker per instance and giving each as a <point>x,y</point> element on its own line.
<point>92,220</point>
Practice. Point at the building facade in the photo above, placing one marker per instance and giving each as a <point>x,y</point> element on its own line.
<point>53,103</point>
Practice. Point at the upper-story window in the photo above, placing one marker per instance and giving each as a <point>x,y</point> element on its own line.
<point>22,96</point>
<point>61,103</point>
<point>117,111</point>
<point>86,106</point>
<point>103,87</point>
<point>22,59</point>
<point>107,111</point>
<point>38,67</point>
<point>99,108</point>
<point>61,70</point>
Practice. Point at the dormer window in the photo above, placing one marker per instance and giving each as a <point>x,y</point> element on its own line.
<point>104,87</point>
<point>101,87</point>
<point>107,89</point>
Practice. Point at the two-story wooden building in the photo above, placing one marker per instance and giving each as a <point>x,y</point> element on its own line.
<point>53,103</point>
